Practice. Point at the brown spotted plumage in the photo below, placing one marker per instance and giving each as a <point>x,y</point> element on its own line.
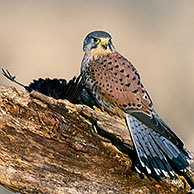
<point>115,85</point>
<point>119,83</point>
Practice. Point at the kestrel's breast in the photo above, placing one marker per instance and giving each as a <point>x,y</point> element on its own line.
<point>114,82</point>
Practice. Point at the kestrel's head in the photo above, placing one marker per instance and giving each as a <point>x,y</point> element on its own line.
<point>98,41</point>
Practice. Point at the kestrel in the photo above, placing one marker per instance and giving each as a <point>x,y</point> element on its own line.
<point>115,85</point>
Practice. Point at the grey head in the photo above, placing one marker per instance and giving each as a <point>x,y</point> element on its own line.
<point>98,38</point>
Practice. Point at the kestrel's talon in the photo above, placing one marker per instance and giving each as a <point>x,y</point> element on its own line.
<point>115,85</point>
<point>96,108</point>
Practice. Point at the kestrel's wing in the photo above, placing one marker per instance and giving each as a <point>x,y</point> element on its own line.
<point>118,84</point>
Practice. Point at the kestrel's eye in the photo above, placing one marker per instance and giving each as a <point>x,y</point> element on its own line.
<point>96,40</point>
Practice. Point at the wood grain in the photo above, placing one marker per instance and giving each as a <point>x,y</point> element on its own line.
<point>52,146</point>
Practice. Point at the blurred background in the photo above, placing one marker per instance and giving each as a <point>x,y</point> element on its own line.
<point>44,39</point>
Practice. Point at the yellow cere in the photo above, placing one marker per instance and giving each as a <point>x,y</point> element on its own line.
<point>104,42</point>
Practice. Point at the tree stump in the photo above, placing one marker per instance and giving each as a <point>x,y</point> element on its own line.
<point>54,146</point>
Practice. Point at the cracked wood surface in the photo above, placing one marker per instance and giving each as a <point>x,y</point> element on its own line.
<point>52,146</point>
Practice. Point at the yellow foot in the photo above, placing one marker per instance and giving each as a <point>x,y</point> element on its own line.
<point>96,108</point>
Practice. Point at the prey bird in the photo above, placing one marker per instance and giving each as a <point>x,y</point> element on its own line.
<point>115,85</point>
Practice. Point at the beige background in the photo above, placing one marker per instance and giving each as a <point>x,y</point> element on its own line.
<point>44,39</point>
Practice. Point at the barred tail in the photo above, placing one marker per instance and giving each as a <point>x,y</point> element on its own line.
<point>154,150</point>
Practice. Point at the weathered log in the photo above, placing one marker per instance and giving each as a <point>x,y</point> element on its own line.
<point>53,146</point>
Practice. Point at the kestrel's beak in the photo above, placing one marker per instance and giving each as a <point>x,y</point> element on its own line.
<point>104,44</point>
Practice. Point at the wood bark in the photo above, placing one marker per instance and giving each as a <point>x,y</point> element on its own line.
<point>53,146</point>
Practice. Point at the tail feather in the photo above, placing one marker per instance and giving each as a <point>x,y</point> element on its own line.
<point>140,151</point>
<point>156,153</point>
<point>139,148</point>
<point>154,150</point>
<point>173,153</point>
<point>149,151</point>
<point>152,160</point>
